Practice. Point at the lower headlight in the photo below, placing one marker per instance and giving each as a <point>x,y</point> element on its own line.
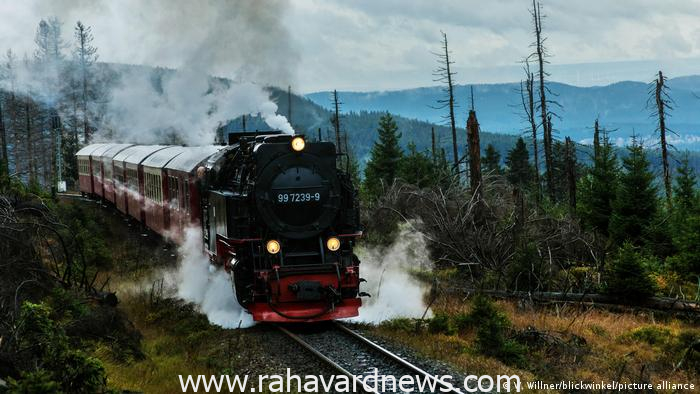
<point>273,246</point>
<point>333,244</point>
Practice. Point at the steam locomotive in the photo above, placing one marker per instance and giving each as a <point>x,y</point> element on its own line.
<point>274,210</point>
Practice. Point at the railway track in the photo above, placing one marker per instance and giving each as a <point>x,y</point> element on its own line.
<point>353,355</point>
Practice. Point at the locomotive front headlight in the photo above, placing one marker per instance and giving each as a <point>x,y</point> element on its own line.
<point>273,246</point>
<point>333,244</point>
<point>298,144</point>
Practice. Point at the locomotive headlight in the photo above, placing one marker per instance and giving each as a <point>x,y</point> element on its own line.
<point>273,246</point>
<point>333,244</point>
<point>298,144</point>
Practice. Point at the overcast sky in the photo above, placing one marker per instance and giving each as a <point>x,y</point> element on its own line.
<point>382,44</point>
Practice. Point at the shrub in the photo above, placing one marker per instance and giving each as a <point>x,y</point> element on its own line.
<point>66,369</point>
<point>37,382</point>
<point>462,322</point>
<point>627,276</point>
<point>688,347</point>
<point>402,324</point>
<point>652,335</point>
<point>491,335</point>
<point>440,324</point>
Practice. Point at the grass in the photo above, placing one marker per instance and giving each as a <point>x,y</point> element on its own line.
<point>563,343</point>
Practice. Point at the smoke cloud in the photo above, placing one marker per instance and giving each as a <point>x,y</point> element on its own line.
<point>196,281</point>
<point>191,106</point>
<point>395,292</point>
<point>247,42</point>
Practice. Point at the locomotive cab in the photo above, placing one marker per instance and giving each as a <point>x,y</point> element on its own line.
<point>283,220</point>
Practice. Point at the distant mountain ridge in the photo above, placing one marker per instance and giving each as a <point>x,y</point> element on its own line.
<point>621,106</point>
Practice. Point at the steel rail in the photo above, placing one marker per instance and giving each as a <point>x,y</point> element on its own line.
<point>446,386</point>
<point>325,359</point>
<point>442,387</point>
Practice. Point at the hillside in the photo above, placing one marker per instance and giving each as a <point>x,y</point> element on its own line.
<point>361,127</point>
<point>620,106</point>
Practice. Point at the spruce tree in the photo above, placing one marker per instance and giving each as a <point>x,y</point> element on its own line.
<point>685,193</point>
<point>686,240</point>
<point>383,165</point>
<point>491,162</point>
<point>597,189</point>
<point>559,181</point>
<point>519,170</point>
<point>635,204</point>
<point>686,223</point>
<point>417,168</point>
<point>627,276</point>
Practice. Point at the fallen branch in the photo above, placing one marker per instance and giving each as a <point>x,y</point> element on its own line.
<point>659,303</point>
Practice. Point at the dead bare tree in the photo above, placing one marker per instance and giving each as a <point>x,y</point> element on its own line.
<point>289,104</point>
<point>540,54</point>
<point>86,56</point>
<point>335,120</point>
<point>474,154</point>
<point>662,104</point>
<point>570,165</point>
<point>433,147</point>
<point>5,161</point>
<point>445,75</point>
<point>596,140</point>
<point>527,97</point>
<point>31,164</point>
<point>512,245</point>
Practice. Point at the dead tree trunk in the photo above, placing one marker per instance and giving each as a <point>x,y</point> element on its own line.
<point>527,96</point>
<point>596,140</point>
<point>336,121</point>
<point>474,154</point>
<point>660,303</point>
<point>289,104</point>
<point>30,145</point>
<point>433,151</point>
<point>5,169</point>
<point>540,53</point>
<point>661,106</point>
<point>570,150</point>
<point>445,75</point>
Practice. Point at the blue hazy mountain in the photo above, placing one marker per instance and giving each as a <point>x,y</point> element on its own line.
<point>622,106</point>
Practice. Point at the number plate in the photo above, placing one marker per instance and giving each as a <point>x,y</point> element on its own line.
<point>289,198</point>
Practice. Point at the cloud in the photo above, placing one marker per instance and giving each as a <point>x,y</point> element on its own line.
<point>367,44</point>
<point>243,37</point>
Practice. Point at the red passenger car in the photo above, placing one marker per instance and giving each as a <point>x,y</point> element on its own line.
<point>155,182</point>
<point>85,167</point>
<point>182,191</point>
<point>134,179</point>
<point>108,170</point>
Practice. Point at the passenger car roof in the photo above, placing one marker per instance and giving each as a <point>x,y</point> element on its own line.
<point>87,150</point>
<point>160,158</point>
<point>191,157</point>
<point>137,153</point>
<point>101,150</point>
<point>113,150</point>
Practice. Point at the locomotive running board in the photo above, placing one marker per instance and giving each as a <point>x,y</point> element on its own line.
<point>306,312</point>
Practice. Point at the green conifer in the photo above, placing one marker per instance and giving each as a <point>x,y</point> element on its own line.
<point>383,165</point>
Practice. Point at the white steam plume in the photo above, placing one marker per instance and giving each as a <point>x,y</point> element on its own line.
<point>395,292</point>
<point>246,41</point>
<point>191,106</point>
<point>195,280</point>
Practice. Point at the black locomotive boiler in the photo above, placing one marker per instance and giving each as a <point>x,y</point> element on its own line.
<point>283,219</point>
